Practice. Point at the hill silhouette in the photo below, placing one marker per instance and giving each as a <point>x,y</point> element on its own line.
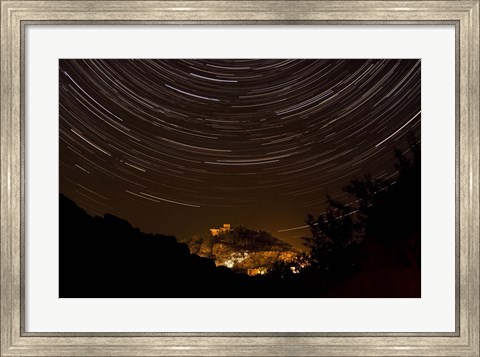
<point>107,257</point>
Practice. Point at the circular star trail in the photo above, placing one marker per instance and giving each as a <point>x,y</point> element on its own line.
<point>180,146</point>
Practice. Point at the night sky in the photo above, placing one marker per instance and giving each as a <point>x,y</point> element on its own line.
<point>180,146</point>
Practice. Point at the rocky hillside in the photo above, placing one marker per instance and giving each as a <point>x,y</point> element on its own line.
<point>242,249</point>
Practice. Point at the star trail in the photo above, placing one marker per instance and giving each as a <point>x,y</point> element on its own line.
<point>179,146</point>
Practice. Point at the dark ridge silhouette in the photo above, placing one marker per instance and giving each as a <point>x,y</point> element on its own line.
<point>107,257</point>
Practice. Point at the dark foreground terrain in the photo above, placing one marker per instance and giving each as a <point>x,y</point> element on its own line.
<point>107,257</point>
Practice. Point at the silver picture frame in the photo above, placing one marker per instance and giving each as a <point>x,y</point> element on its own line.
<point>16,15</point>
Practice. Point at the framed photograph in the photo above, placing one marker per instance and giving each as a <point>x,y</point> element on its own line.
<point>254,178</point>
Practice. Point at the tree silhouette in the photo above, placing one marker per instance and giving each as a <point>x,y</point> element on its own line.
<point>331,245</point>
<point>385,212</point>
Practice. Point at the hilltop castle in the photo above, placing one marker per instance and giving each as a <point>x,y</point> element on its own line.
<point>227,227</point>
